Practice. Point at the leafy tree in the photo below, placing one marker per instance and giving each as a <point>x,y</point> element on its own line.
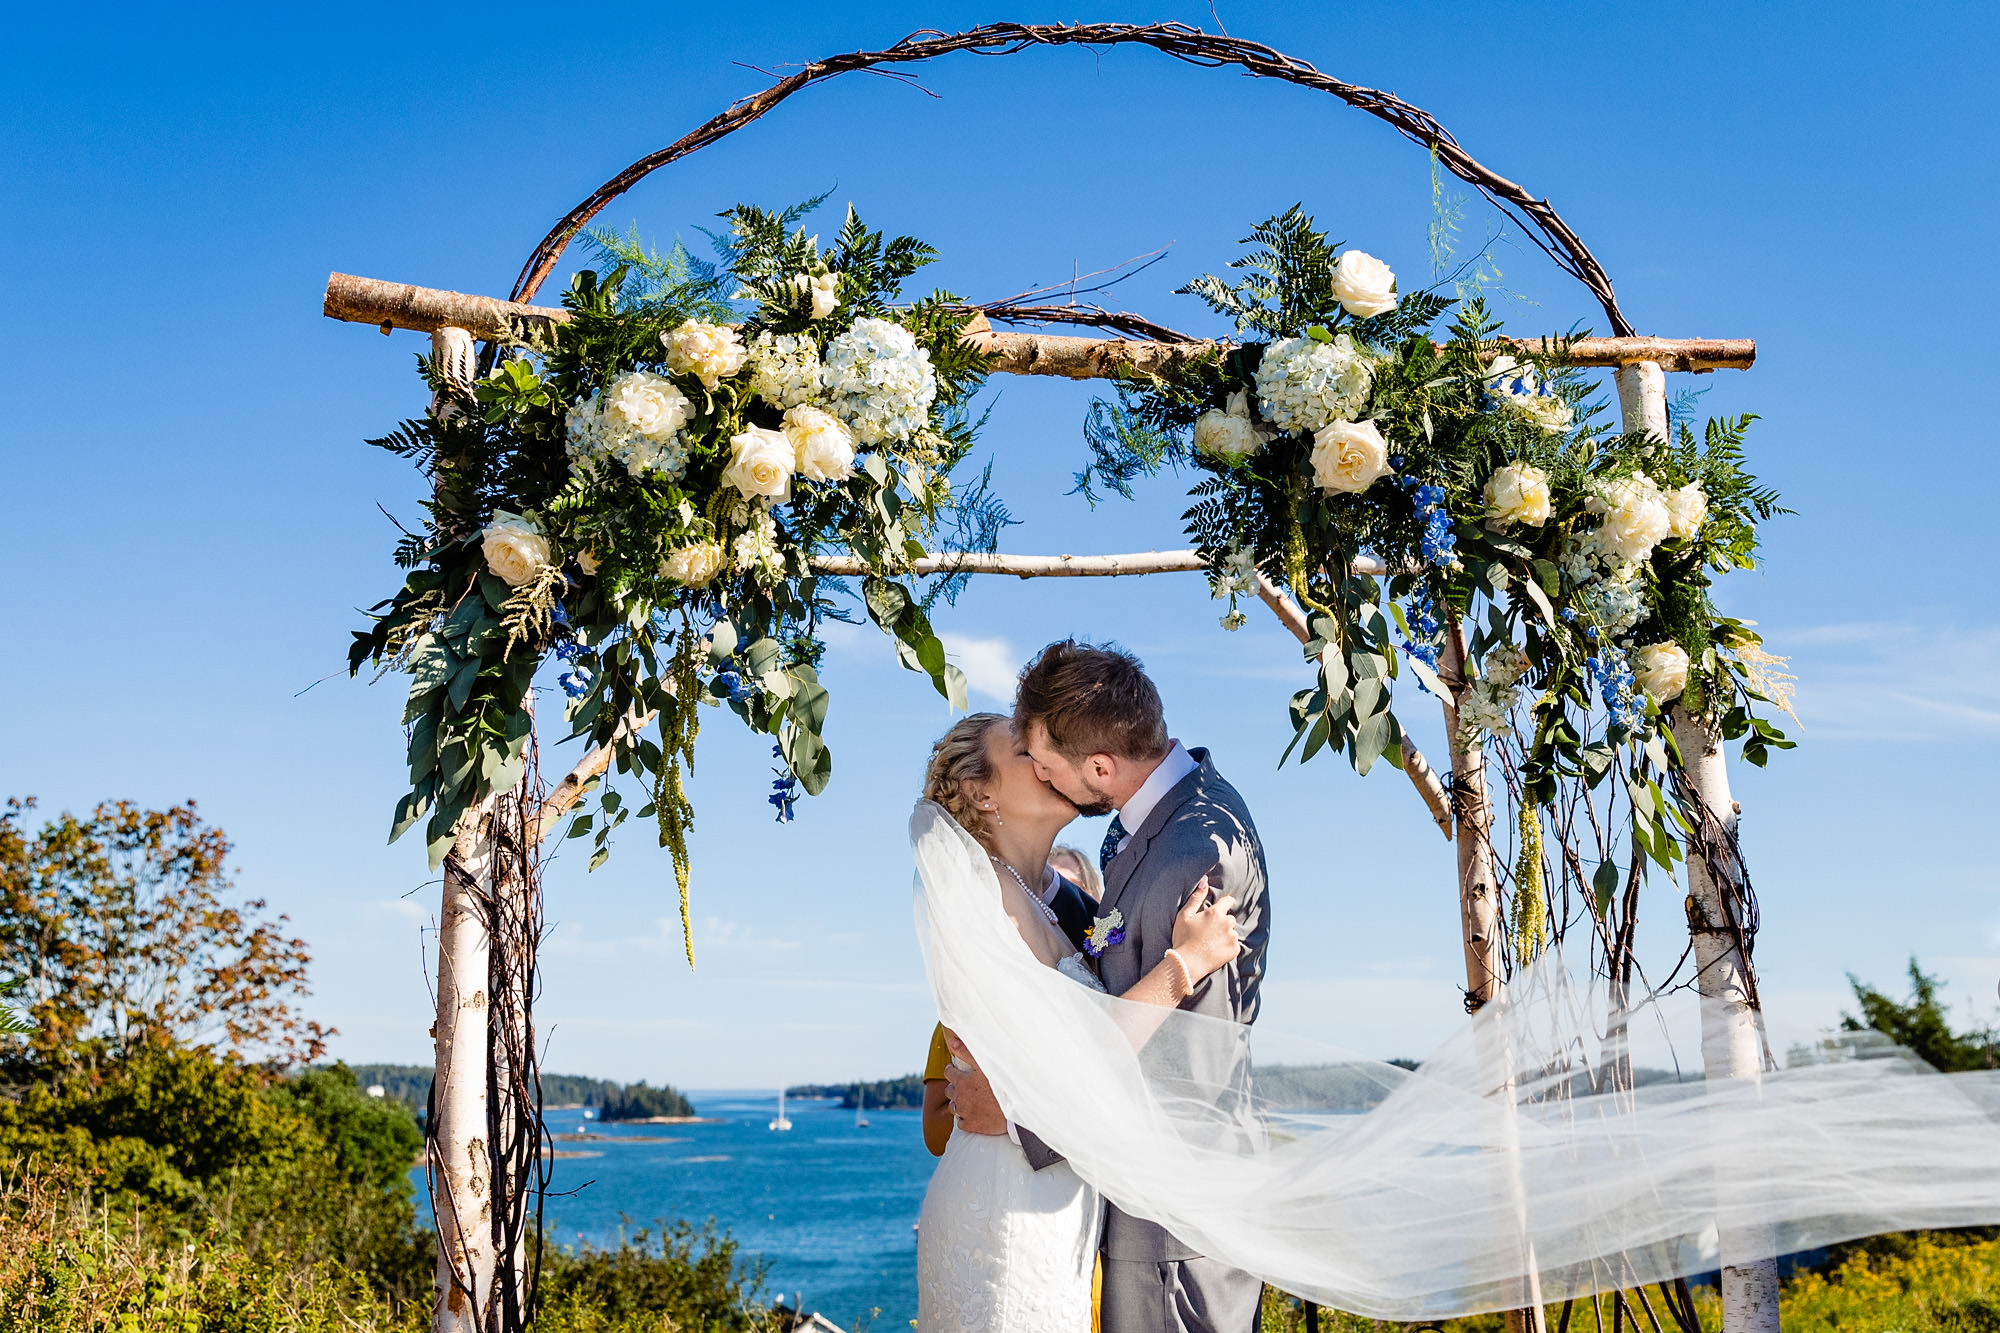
<point>1922,1025</point>
<point>374,1139</point>
<point>121,930</point>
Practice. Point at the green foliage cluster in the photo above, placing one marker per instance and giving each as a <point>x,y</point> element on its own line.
<point>1528,590</point>
<point>905,1093</point>
<point>1919,1282</point>
<point>637,1101</point>
<point>639,639</point>
<point>411,1085</point>
<point>308,1168</point>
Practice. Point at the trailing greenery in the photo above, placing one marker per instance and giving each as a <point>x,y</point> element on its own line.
<point>639,492</point>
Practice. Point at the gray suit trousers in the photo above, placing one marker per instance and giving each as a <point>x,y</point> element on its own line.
<point>1178,1296</point>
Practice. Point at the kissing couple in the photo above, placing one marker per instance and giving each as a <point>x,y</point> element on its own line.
<point>1095,1095</point>
<point>1010,1233</point>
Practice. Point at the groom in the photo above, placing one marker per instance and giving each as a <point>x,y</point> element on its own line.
<point>1093,725</point>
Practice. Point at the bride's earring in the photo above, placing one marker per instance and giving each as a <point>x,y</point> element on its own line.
<point>997,821</point>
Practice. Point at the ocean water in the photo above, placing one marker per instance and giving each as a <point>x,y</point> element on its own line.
<point>829,1208</point>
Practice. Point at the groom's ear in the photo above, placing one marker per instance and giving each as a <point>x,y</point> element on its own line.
<point>1103,767</point>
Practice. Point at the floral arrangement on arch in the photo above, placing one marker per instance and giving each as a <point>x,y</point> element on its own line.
<point>1347,424</point>
<point>639,493</point>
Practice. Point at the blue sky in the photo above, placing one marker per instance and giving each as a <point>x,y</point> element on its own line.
<point>190,516</point>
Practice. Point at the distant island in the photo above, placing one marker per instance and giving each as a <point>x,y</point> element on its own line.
<point>905,1093</point>
<point>411,1085</point>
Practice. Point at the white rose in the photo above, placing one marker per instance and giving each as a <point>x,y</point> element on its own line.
<point>824,290</point>
<point>761,462</point>
<point>647,404</point>
<point>1222,434</point>
<point>709,352</point>
<point>696,565</point>
<point>1635,517</point>
<point>1364,284</point>
<point>514,548</point>
<point>1686,508</point>
<point>1661,669</point>
<point>822,446</point>
<point>1519,493</point>
<point>1349,456</point>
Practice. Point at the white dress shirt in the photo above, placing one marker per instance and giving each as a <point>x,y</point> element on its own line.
<point>1177,764</point>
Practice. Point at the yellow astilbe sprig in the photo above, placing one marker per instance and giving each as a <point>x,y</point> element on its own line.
<point>529,611</point>
<point>1531,909</point>
<point>1764,672</point>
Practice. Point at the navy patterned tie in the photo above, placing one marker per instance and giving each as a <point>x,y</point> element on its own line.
<point>1112,837</point>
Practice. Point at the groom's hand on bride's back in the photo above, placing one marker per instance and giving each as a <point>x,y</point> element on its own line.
<point>974,1108</point>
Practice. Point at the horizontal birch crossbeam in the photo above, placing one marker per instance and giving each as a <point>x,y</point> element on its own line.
<point>1050,566</point>
<point>395,305</point>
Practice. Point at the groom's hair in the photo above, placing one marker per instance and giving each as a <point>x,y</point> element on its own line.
<point>1092,700</point>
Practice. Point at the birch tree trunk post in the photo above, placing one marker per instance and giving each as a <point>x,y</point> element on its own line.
<point>1732,1035</point>
<point>1479,916</point>
<point>457,1129</point>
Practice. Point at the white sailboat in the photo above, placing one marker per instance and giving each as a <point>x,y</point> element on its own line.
<point>860,1111</point>
<point>781,1122</point>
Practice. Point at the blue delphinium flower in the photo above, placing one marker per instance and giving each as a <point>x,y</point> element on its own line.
<point>1426,633</point>
<point>557,614</point>
<point>1440,543</point>
<point>730,683</point>
<point>1616,685</point>
<point>785,790</point>
<point>575,683</point>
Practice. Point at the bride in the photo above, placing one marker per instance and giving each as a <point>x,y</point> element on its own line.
<point>1001,1246</point>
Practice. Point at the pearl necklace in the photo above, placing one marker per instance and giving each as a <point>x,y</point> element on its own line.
<point>1033,897</point>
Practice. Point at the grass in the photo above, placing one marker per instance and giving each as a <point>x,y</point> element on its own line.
<point>1935,1282</point>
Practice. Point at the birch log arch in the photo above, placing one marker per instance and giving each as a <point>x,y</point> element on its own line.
<point>668,491</point>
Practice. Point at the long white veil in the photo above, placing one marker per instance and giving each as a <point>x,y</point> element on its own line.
<point>1492,1175</point>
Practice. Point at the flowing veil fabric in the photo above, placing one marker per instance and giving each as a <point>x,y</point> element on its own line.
<point>1493,1175</point>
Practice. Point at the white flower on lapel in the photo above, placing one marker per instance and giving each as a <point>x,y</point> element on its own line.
<point>1104,932</point>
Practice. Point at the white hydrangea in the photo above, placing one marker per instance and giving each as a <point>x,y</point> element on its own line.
<point>784,368</point>
<point>1613,605</point>
<point>756,548</point>
<point>635,422</point>
<point>1304,384</point>
<point>879,381</point>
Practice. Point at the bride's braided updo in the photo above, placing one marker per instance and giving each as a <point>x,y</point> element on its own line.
<point>959,757</point>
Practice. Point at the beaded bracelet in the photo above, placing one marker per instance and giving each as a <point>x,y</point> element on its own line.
<point>1187,977</point>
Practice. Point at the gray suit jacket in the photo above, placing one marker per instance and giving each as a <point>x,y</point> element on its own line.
<point>1200,828</point>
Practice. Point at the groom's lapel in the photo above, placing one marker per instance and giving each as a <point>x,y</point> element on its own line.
<point>1119,873</point>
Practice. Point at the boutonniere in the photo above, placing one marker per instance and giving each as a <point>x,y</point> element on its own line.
<point>1104,932</point>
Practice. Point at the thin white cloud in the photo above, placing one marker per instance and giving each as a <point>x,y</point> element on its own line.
<point>990,665</point>
<point>1906,680</point>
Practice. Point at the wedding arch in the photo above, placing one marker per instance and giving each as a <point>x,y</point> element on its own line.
<point>668,494</point>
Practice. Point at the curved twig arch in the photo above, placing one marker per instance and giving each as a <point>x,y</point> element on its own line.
<point>1536,217</point>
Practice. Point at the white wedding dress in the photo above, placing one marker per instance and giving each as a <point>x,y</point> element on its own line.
<point>1502,1172</point>
<point>1001,1247</point>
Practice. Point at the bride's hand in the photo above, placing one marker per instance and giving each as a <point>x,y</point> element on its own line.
<point>1204,934</point>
